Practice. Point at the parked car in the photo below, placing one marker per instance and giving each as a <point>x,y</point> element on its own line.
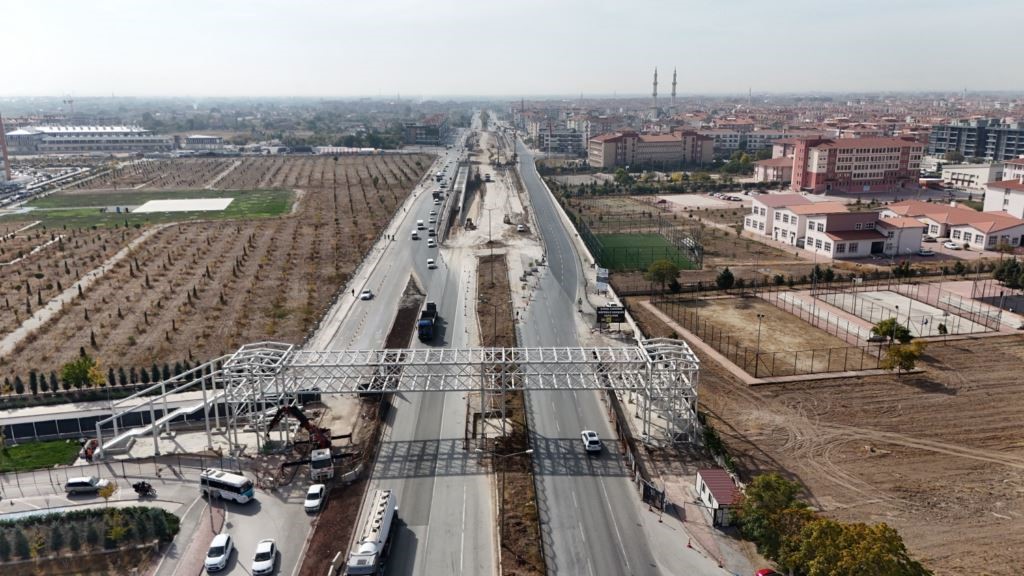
<point>952,246</point>
<point>431,264</point>
<point>591,441</point>
<point>85,485</point>
<point>366,295</point>
<point>520,228</point>
<point>431,243</point>
<point>925,252</point>
<point>315,497</point>
<point>265,558</point>
<point>928,239</point>
<point>219,553</point>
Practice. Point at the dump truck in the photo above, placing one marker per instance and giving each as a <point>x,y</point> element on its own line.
<point>428,318</point>
<point>374,537</point>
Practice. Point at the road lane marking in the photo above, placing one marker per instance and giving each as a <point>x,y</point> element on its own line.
<point>462,546</point>
<point>590,566</point>
<point>618,535</point>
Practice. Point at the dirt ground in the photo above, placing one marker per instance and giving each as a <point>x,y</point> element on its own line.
<point>197,290</point>
<point>938,455</point>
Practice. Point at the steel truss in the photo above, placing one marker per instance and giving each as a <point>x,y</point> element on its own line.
<point>662,372</point>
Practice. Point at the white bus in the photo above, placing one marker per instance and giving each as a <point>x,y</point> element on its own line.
<point>220,484</point>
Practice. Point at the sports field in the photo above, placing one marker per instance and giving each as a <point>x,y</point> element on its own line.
<point>637,251</point>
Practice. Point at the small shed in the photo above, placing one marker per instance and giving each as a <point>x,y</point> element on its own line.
<point>718,493</point>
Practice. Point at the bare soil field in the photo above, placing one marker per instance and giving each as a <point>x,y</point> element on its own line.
<point>938,455</point>
<point>199,289</point>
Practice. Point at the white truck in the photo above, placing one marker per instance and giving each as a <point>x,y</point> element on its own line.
<point>321,465</point>
<point>370,550</point>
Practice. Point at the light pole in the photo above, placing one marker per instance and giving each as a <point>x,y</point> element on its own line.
<point>334,183</point>
<point>757,354</point>
<point>501,497</point>
<point>896,322</point>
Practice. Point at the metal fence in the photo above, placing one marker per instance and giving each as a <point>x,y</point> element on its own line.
<point>816,316</point>
<point>770,364</point>
<point>686,252</point>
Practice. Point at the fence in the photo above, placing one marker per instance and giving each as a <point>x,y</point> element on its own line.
<point>816,316</point>
<point>960,315</point>
<point>173,466</point>
<point>681,247</point>
<point>770,364</point>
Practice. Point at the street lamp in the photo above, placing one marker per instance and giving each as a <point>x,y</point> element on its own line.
<point>757,354</point>
<point>892,337</point>
<point>501,497</point>
<point>334,183</point>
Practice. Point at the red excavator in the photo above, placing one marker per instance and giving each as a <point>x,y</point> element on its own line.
<point>320,437</point>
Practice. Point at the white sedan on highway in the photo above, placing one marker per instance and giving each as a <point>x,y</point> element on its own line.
<point>366,295</point>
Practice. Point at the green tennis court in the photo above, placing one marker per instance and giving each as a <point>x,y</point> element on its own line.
<point>637,251</point>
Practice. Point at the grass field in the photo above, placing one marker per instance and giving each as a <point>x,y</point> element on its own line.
<point>637,251</point>
<point>35,455</point>
<point>83,209</point>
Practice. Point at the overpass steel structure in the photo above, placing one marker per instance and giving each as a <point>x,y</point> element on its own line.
<point>239,388</point>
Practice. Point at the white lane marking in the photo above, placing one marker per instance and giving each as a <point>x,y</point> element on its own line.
<point>164,557</point>
<point>462,547</point>
<point>618,535</point>
<point>590,566</point>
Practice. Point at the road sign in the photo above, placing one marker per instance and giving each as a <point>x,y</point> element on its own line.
<point>609,314</point>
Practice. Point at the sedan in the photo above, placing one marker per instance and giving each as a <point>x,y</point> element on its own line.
<point>952,246</point>
<point>366,295</point>
<point>219,552</point>
<point>315,497</point>
<point>431,264</point>
<point>265,558</point>
<point>925,252</point>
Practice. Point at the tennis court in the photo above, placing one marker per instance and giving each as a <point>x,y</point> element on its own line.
<point>637,251</point>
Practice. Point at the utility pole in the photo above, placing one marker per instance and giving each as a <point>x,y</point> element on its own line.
<point>757,354</point>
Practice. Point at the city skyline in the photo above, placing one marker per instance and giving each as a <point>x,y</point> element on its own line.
<point>455,49</point>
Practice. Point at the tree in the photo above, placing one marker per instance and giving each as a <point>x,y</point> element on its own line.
<point>21,547</point>
<point>622,177</point>
<point>893,330</point>
<point>759,512</point>
<point>662,272</point>
<point>828,547</point>
<point>953,156</point>
<point>74,540</point>
<point>92,536</point>
<point>5,547</point>
<point>903,357</point>
<point>19,386</point>
<point>56,538</point>
<point>725,279</point>
<point>54,386</point>
<point>33,382</point>
<point>82,371</point>
<point>959,269</point>
<point>107,492</point>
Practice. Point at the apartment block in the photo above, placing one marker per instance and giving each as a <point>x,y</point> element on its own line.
<point>978,138</point>
<point>638,151</point>
<point>1006,196</point>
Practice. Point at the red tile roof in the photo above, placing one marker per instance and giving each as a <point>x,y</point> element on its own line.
<point>776,162</point>
<point>956,216</point>
<point>721,485</point>
<point>900,222</point>
<point>1006,185</point>
<point>856,235</point>
<point>1017,161</point>
<point>819,208</point>
<point>781,200</point>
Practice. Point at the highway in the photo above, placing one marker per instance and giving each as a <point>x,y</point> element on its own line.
<point>589,512</point>
<point>444,496</point>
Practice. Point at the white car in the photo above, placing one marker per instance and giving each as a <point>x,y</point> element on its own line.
<point>366,295</point>
<point>952,246</point>
<point>520,228</point>
<point>265,558</point>
<point>925,252</point>
<point>315,497</point>
<point>591,441</point>
<point>431,243</point>
<point>431,264</point>
<point>437,201</point>
<point>219,553</point>
<point>433,212</point>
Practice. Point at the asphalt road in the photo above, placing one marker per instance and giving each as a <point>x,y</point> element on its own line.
<point>446,521</point>
<point>589,513</point>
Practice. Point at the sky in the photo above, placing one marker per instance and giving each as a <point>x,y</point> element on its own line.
<point>337,48</point>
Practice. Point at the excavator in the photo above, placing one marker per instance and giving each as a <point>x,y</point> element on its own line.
<point>320,437</point>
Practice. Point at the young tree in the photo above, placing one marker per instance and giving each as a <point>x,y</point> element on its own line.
<point>107,492</point>
<point>760,509</point>
<point>33,382</point>
<point>111,378</point>
<point>725,279</point>
<point>662,272</point>
<point>19,386</point>
<point>5,547</point>
<point>92,536</point>
<point>54,385</point>
<point>56,538</point>
<point>74,540</point>
<point>83,371</point>
<point>21,547</point>
<point>893,330</point>
<point>903,357</point>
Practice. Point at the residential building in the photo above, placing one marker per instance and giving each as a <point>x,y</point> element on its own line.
<point>971,177</point>
<point>847,235</point>
<point>1006,196</point>
<point>85,140</point>
<point>727,141</point>
<point>984,230</point>
<point>201,142</point>
<point>718,494</point>
<point>628,148</point>
<point>773,170</point>
<point>790,222</point>
<point>431,131</point>
<point>560,140</point>
<point>761,218</point>
<point>1013,169</point>
<point>978,138</point>
<point>856,164</point>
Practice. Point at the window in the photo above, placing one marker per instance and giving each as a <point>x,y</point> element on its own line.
<point>967,236</point>
<point>841,248</point>
<point>778,216</point>
<point>956,235</point>
<point>810,226</point>
<point>821,226</point>
<point>760,225</point>
<point>785,218</point>
<point>746,222</point>
<point>869,225</point>
<point>891,234</point>
<point>853,247</point>
<point>827,246</point>
<point>858,226</point>
<point>817,244</point>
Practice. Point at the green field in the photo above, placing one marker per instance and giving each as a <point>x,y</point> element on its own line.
<point>35,455</point>
<point>85,209</point>
<point>637,251</point>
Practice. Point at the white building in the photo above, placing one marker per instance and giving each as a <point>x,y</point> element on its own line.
<point>1006,196</point>
<point>1013,169</point>
<point>984,230</point>
<point>202,142</point>
<point>971,177</point>
<point>86,140</point>
<point>761,218</point>
<point>773,170</point>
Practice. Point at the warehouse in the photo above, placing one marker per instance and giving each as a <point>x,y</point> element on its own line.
<point>85,140</point>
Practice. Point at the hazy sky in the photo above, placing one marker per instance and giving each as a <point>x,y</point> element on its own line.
<point>504,47</point>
